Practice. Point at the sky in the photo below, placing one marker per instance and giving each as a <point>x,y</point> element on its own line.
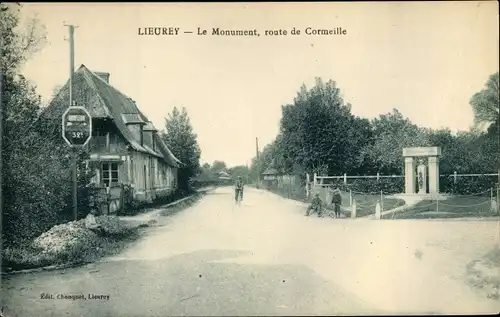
<point>425,59</point>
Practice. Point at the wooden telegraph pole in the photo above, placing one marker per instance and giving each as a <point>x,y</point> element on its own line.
<point>76,122</point>
<point>71,40</point>
<point>258,162</point>
<point>498,162</point>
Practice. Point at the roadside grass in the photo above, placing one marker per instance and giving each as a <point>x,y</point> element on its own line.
<point>453,207</point>
<point>187,202</point>
<point>115,237</point>
<point>482,274</point>
<point>365,204</point>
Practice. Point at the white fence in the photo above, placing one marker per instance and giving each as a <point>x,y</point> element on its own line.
<point>319,180</point>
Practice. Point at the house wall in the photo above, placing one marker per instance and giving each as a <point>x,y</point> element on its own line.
<point>150,176</point>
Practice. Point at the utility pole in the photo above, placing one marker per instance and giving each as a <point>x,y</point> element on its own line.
<point>498,162</point>
<point>258,162</point>
<point>71,40</point>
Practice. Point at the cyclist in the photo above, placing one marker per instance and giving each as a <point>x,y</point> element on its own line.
<point>238,189</point>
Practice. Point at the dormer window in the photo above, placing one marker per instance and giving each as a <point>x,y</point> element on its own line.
<point>135,124</point>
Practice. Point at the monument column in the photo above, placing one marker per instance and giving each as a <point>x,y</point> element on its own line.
<point>433,175</point>
<point>409,175</point>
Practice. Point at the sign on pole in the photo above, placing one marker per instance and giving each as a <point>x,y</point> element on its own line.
<point>76,126</point>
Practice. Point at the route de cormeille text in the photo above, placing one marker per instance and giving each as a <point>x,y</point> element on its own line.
<point>168,31</point>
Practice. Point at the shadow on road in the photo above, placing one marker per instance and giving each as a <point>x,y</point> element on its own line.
<point>186,284</point>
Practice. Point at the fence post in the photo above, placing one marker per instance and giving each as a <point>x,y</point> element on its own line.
<point>108,199</point>
<point>353,209</point>
<point>455,177</point>
<point>498,197</point>
<point>378,213</point>
<point>122,199</point>
<point>437,204</point>
<point>378,176</point>
<point>345,178</point>
<point>350,197</point>
<point>381,201</point>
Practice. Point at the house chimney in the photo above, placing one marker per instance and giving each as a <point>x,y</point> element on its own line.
<point>103,76</point>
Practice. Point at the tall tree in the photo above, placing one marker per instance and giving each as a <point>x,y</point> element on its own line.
<point>486,107</point>
<point>182,141</point>
<point>36,171</point>
<point>319,133</point>
<point>391,133</point>
<point>486,103</point>
<point>218,166</point>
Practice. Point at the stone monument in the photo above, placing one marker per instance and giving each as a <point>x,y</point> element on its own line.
<point>432,154</point>
<point>422,177</point>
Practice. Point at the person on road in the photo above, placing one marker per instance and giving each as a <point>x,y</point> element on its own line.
<point>337,201</point>
<point>316,206</point>
<point>238,189</point>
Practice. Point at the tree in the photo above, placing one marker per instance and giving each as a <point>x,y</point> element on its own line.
<point>19,42</point>
<point>218,166</point>
<point>182,141</point>
<point>36,169</point>
<point>485,103</point>
<point>319,133</point>
<point>486,107</point>
<point>239,171</point>
<point>391,133</point>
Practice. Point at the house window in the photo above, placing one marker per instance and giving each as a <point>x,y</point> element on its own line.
<point>109,174</point>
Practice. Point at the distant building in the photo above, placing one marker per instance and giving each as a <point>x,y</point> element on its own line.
<point>125,146</point>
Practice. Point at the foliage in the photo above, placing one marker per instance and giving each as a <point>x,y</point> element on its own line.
<point>391,133</point>
<point>37,170</point>
<point>129,203</point>
<point>319,133</point>
<point>467,185</point>
<point>70,243</point>
<point>486,103</point>
<point>239,171</point>
<point>182,141</point>
<point>19,41</point>
<point>371,185</point>
<point>218,166</point>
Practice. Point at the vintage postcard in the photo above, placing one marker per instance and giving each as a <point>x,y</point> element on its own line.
<point>244,159</point>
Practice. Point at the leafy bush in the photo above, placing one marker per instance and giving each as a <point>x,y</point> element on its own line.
<point>371,185</point>
<point>467,185</point>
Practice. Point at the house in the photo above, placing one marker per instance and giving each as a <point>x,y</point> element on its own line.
<point>125,148</point>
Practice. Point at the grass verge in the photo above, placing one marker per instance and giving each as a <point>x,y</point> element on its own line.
<point>453,207</point>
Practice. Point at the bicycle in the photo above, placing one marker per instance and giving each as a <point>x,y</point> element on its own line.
<point>239,196</point>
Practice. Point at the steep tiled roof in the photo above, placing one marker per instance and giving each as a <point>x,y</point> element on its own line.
<point>108,102</point>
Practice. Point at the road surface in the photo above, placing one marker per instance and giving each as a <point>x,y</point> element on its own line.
<point>266,258</point>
